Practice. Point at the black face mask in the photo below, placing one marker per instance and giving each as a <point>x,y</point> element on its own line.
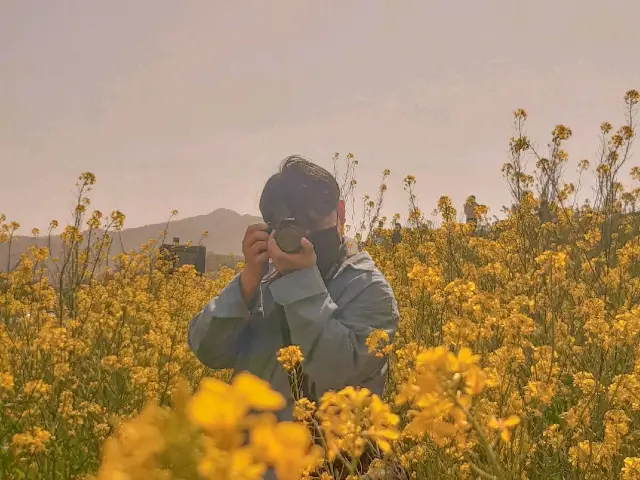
<point>329,248</point>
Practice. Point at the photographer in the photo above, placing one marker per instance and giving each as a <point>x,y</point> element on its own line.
<point>316,296</point>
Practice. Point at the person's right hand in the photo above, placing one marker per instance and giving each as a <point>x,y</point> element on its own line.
<point>255,248</point>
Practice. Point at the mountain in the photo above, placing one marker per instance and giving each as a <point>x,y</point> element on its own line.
<point>226,229</point>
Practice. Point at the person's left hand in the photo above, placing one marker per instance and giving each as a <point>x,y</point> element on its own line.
<point>286,263</point>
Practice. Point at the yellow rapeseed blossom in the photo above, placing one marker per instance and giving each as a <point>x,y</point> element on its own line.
<point>6,381</point>
<point>504,426</point>
<point>33,442</point>
<point>353,417</point>
<point>517,348</point>
<point>631,468</point>
<point>378,343</point>
<point>220,407</point>
<point>290,357</point>
<point>303,410</point>
<point>285,445</point>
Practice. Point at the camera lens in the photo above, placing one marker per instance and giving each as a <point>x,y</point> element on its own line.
<point>288,239</point>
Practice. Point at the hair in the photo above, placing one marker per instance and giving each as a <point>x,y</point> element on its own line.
<point>302,190</point>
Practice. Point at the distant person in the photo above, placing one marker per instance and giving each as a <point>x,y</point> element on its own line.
<point>470,210</point>
<point>378,234</point>
<point>321,298</point>
<point>396,236</point>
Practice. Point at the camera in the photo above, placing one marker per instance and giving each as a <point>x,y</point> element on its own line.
<point>288,235</point>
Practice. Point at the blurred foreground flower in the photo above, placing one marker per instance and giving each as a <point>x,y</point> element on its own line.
<point>223,432</point>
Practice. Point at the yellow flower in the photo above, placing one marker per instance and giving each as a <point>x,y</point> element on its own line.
<point>475,380</point>
<point>240,464</point>
<point>6,381</point>
<point>631,468</point>
<point>37,388</point>
<point>303,410</point>
<point>378,343</point>
<point>220,406</point>
<point>257,393</point>
<point>352,417</point>
<point>464,360</point>
<point>290,357</point>
<point>503,426</point>
<point>215,407</point>
<point>33,442</point>
<point>285,445</point>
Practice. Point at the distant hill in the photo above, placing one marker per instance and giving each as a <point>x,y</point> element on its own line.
<point>226,229</point>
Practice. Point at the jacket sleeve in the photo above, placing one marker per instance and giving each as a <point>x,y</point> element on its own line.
<point>215,333</point>
<point>332,340</point>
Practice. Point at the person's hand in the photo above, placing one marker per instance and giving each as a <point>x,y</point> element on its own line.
<point>255,248</point>
<point>286,263</point>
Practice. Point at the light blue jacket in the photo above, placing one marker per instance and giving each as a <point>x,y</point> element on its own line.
<point>329,322</point>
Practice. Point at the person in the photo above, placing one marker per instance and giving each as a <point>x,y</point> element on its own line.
<point>396,237</point>
<point>322,298</point>
<point>470,209</point>
<point>378,234</point>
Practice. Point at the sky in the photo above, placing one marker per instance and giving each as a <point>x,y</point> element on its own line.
<point>192,105</point>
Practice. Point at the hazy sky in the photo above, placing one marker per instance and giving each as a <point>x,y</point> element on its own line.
<point>191,105</point>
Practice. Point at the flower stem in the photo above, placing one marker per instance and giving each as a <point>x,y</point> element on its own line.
<point>493,460</point>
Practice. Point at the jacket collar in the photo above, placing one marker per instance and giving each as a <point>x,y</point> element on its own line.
<point>358,261</point>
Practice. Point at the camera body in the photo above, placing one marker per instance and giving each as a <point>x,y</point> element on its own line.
<point>288,235</point>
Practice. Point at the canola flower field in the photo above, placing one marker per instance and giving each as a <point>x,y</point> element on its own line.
<point>517,355</point>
